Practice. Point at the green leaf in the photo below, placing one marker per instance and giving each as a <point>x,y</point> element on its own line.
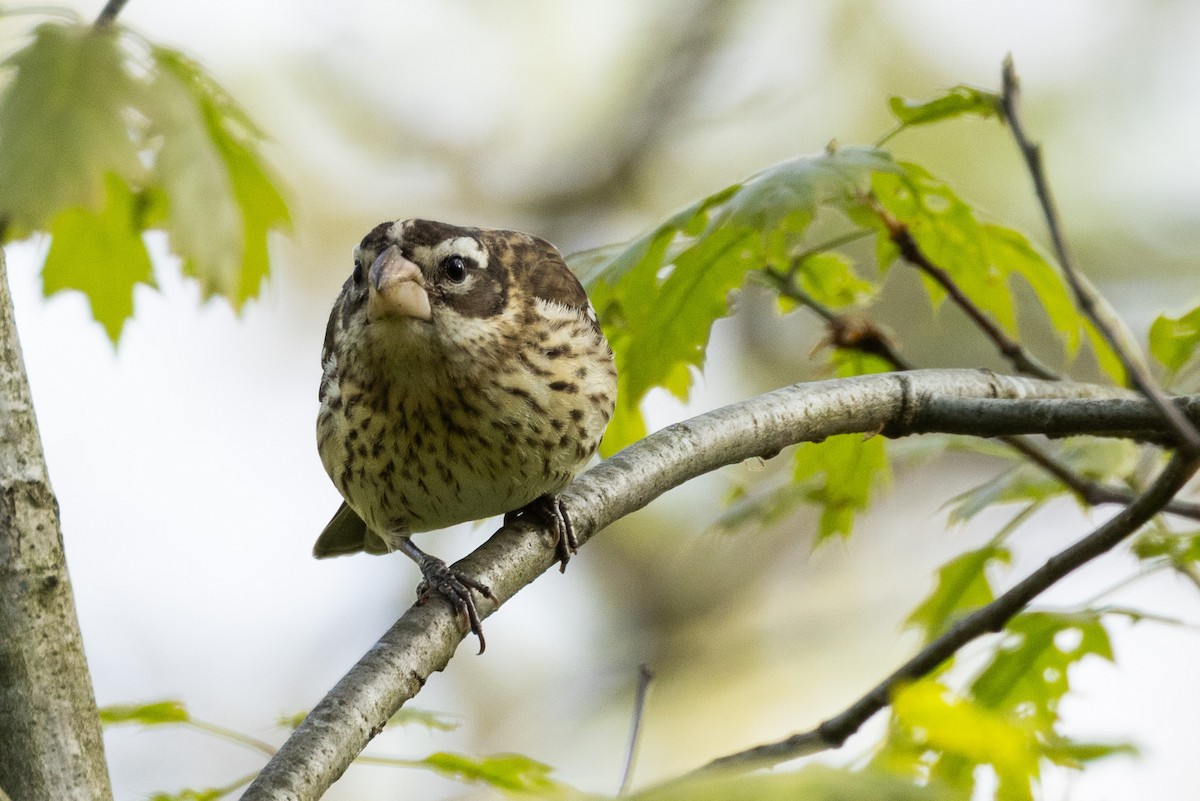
<point>839,474</point>
<point>811,783</point>
<point>101,254</point>
<point>1028,675</point>
<point>758,505</point>
<point>510,773</point>
<point>427,718</point>
<point>1021,484</point>
<point>208,794</point>
<point>938,720</point>
<point>434,721</point>
<point>1106,358</point>
<point>64,126</point>
<point>980,258</point>
<point>1109,460</point>
<point>962,586</point>
<point>1173,340</point>
<point>658,296</point>
<point>1072,754</point>
<point>1013,254</point>
<point>950,236</point>
<point>220,201</point>
<point>155,713</point>
<point>1180,549</point>
<point>957,102</point>
<point>829,278</point>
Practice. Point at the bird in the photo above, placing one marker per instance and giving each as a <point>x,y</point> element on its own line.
<point>464,374</point>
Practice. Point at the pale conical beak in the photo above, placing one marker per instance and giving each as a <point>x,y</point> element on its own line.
<point>397,288</point>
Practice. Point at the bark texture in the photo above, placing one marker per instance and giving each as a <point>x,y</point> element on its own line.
<point>51,747</point>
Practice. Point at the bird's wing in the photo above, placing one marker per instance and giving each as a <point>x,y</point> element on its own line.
<point>343,535</point>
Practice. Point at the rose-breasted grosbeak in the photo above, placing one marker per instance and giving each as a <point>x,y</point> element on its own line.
<point>464,376</point>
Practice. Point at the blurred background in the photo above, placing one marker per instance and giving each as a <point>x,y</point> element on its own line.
<point>185,462</point>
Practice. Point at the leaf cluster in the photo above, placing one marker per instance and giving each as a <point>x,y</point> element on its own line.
<point>104,137</point>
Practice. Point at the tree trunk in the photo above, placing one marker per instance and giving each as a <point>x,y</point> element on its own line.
<point>50,742</point>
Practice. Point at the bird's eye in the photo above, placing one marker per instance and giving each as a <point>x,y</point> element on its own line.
<point>358,273</point>
<point>455,268</point>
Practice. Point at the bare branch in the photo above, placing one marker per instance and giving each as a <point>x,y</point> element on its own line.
<point>425,638</point>
<point>990,618</point>
<point>1085,296</point>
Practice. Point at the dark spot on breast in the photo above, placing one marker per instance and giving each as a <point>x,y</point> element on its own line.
<point>525,396</point>
<point>530,366</point>
<point>564,386</point>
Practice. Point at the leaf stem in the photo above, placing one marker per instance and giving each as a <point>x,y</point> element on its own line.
<point>797,259</point>
<point>1085,296</point>
<point>989,618</point>
<point>232,736</point>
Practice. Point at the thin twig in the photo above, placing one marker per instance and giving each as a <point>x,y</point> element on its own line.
<point>847,332</point>
<point>108,14</point>
<point>1085,296</point>
<point>989,618</point>
<point>645,676</point>
<point>1093,493</point>
<point>1021,359</point>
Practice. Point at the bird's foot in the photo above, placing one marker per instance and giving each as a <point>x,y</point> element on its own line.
<point>549,512</point>
<point>455,586</point>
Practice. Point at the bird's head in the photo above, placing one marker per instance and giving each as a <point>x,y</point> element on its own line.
<point>453,287</point>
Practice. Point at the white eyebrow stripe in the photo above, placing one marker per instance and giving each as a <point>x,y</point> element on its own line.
<point>461,246</point>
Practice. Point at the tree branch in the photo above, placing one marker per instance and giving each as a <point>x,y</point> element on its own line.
<point>108,14</point>
<point>990,618</point>
<point>425,638</point>
<point>1085,296</point>
<point>866,337</point>
<point>50,741</point>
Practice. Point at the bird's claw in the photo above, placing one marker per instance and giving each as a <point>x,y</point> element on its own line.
<point>455,586</point>
<point>549,511</point>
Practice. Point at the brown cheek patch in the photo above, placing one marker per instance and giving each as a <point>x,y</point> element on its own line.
<point>546,274</point>
<point>487,297</point>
